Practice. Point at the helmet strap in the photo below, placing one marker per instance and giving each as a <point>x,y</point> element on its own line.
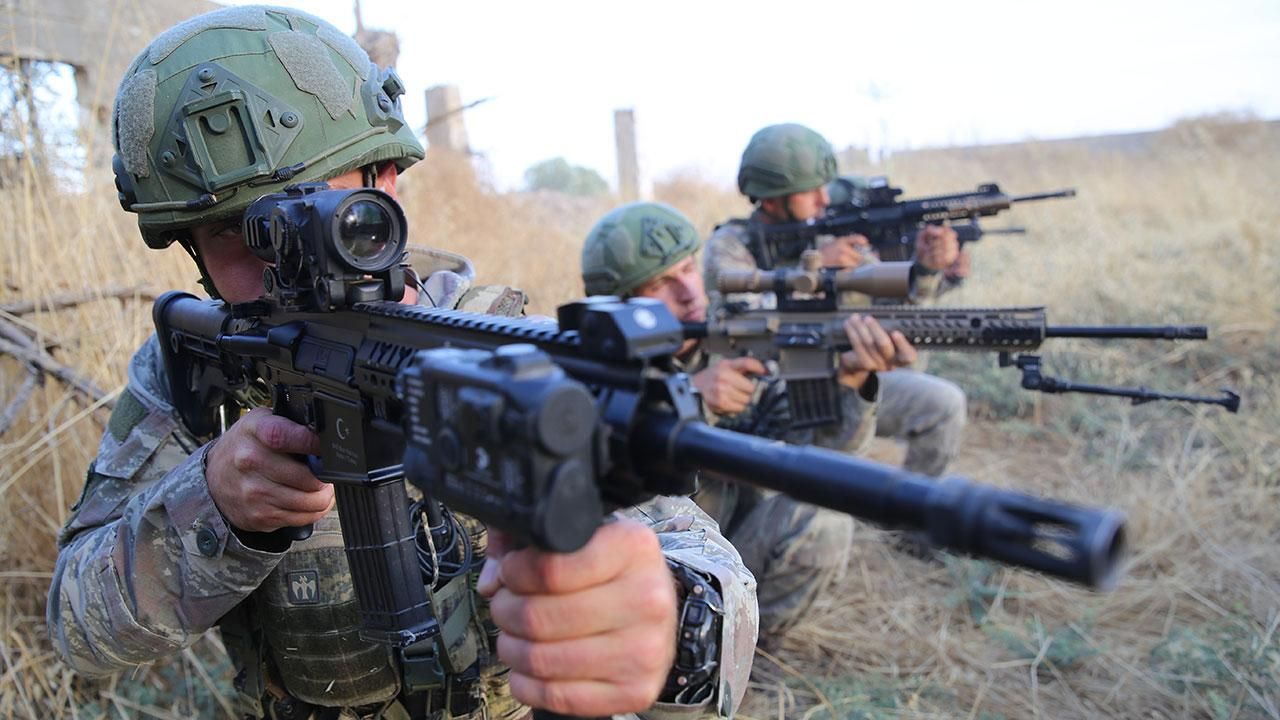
<point>206,281</point>
<point>787,214</point>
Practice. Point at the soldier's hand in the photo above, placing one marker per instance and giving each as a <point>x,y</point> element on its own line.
<point>937,247</point>
<point>255,481</point>
<point>846,251</point>
<point>959,269</point>
<point>871,350</point>
<point>588,633</point>
<point>727,386</point>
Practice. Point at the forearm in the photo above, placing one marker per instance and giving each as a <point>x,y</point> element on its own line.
<point>691,538</point>
<point>154,570</point>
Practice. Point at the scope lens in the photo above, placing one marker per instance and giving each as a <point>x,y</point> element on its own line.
<point>366,236</point>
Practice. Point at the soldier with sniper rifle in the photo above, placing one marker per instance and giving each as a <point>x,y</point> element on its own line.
<point>817,359</point>
<point>804,331</point>
<point>785,171</point>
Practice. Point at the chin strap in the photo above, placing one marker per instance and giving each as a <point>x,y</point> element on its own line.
<point>206,282</point>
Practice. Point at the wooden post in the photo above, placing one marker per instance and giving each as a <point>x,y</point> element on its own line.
<point>624,133</point>
<point>445,127</point>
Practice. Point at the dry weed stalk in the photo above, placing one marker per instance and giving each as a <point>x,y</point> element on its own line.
<point>1173,234</point>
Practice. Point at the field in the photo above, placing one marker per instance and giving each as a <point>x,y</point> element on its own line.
<point>1180,231</point>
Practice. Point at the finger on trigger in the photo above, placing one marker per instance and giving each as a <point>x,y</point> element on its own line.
<point>750,366</point>
<point>284,435</point>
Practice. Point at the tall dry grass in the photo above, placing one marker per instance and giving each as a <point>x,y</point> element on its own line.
<point>1176,234</point>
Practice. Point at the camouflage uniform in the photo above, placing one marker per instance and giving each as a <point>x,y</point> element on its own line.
<point>796,551</point>
<point>214,113</point>
<point>925,411</point>
<point>147,564</point>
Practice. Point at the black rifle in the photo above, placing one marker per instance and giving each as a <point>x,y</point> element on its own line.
<point>888,223</point>
<point>805,336</point>
<point>535,428</point>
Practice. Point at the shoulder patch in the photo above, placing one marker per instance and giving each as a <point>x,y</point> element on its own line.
<point>128,413</point>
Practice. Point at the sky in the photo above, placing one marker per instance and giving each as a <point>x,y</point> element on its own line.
<point>703,75</point>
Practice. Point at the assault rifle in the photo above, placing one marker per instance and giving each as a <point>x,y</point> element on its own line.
<point>805,335</point>
<point>874,210</point>
<point>535,428</point>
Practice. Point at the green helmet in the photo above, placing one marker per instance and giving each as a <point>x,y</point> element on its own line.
<point>634,243</point>
<point>239,102</point>
<point>785,159</point>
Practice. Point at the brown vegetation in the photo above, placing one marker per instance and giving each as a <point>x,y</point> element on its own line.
<point>1174,233</point>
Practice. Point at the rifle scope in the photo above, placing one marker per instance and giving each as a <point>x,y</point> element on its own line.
<point>882,280</point>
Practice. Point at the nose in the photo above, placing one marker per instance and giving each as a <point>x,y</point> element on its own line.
<point>824,198</point>
<point>686,287</point>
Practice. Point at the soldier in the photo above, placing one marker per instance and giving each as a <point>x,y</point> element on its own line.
<point>929,241</point>
<point>784,172</point>
<point>173,533</point>
<point>795,550</point>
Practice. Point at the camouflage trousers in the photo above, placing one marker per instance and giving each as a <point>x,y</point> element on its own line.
<point>795,550</point>
<point>924,411</point>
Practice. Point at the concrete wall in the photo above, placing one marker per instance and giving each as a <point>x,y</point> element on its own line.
<point>98,37</point>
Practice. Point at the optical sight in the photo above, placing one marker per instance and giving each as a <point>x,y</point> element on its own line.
<point>329,249</point>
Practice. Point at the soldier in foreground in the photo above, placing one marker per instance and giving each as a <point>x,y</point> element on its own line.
<point>784,172</point>
<point>795,550</point>
<point>175,533</point>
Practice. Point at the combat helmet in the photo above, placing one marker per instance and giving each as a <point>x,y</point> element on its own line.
<point>785,159</point>
<point>634,243</point>
<point>239,102</point>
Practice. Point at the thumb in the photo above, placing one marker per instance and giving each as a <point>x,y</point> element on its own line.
<point>748,365</point>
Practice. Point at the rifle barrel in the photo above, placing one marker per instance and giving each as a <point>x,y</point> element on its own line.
<point>1069,192</point>
<point>1083,545</point>
<point>1134,332</point>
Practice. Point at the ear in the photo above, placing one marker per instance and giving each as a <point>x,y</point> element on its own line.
<point>775,207</point>
<point>386,181</point>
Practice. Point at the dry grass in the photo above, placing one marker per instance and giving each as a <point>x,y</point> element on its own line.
<point>1176,234</point>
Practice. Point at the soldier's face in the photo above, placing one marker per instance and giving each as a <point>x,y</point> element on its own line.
<point>237,272</point>
<point>680,288</point>
<point>797,207</point>
<point>809,204</point>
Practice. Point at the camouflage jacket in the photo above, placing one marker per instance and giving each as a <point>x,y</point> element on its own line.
<point>147,564</point>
